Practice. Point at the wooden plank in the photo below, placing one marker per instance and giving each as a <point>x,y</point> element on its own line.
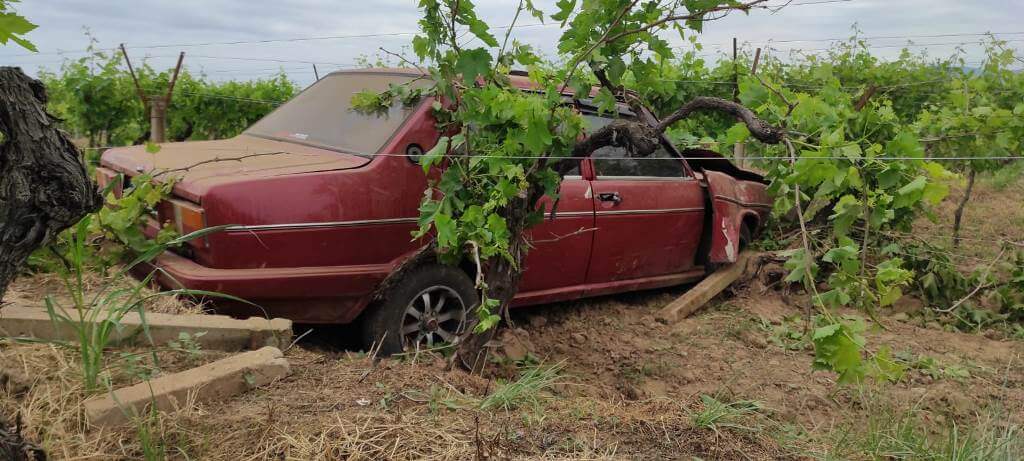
<point>704,291</point>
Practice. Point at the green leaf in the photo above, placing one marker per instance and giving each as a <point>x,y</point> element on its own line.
<point>889,177</point>
<point>736,133</point>
<point>605,101</point>
<point>565,8</point>
<point>837,347</point>
<point>480,30</point>
<point>888,369</point>
<point>13,26</point>
<point>910,193</point>
<point>498,227</point>
<point>434,155</point>
<point>152,147</point>
<point>905,144</point>
<point>446,230</point>
<point>935,192</point>
<point>472,64</point>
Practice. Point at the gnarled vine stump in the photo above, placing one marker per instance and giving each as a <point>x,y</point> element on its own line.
<point>14,447</point>
<point>44,187</point>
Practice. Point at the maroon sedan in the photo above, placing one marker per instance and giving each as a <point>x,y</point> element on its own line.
<point>322,201</point>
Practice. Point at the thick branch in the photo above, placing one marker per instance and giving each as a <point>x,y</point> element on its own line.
<point>642,139</point>
<point>639,139</point>
<point>760,129</point>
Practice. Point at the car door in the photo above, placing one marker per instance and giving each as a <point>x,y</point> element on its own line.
<point>649,214</point>
<point>561,246</point>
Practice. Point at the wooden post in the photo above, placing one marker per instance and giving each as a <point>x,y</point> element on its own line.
<point>740,149</point>
<point>315,73</point>
<point>735,71</point>
<point>757,58</point>
<point>131,71</point>
<point>174,78</point>
<point>863,101</point>
<point>157,119</point>
<point>155,106</point>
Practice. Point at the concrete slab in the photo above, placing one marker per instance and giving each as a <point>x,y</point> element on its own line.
<point>221,332</point>
<point>213,381</point>
<point>699,295</point>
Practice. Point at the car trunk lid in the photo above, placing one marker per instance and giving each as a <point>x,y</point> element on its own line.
<point>197,166</point>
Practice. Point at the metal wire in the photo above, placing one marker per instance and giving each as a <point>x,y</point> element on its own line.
<point>518,157</point>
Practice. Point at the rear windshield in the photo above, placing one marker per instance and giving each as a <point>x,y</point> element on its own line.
<point>322,115</point>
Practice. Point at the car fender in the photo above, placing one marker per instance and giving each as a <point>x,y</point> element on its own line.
<point>733,203</point>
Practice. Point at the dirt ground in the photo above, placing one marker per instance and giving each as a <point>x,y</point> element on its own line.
<point>627,387</point>
<point>588,379</point>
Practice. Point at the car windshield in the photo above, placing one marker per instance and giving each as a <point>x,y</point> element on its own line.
<point>323,116</point>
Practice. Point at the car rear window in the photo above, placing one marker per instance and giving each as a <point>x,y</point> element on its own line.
<point>322,115</point>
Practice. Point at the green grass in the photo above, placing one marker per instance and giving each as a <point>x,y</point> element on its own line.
<point>905,435</point>
<point>524,391</point>
<point>716,414</point>
<point>1008,175</point>
<point>95,318</point>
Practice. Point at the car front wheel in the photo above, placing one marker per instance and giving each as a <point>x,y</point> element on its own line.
<point>425,309</point>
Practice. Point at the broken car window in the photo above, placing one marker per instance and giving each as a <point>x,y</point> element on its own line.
<point>610,162</point>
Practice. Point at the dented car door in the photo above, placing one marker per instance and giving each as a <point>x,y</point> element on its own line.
<point>649,214</point>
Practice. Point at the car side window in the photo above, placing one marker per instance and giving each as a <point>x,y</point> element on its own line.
<point>575,171</point>
<point>613,161</point>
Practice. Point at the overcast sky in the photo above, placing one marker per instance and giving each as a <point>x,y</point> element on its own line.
<point>142,23</point>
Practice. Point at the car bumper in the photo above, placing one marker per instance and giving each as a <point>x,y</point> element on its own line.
<point>303,294</point>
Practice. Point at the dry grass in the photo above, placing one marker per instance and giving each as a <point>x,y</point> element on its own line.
<point>995,211</point>
<point>32,289</point>
<point>44,386</point>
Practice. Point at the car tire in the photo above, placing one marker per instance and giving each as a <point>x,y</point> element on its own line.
<point>744,237</point>
<point>427,306</point>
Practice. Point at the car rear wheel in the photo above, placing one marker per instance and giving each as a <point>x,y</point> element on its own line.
<point>426,308</point>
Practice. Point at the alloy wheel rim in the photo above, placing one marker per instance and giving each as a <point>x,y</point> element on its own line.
<point>435,315</point>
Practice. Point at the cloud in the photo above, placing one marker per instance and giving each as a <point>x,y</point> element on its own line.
<point>147,22</point>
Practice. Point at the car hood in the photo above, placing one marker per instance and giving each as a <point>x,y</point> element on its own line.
<point>197,166</point>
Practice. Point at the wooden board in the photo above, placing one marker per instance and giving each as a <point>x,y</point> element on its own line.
<point>704,291</point>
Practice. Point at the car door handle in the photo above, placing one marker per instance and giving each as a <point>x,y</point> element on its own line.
<point>610,197</point>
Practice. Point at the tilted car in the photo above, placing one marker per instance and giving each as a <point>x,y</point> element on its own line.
<point>322,201</point>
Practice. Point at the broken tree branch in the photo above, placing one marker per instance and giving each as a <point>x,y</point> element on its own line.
<point>557,237</point>
<point>981,284</point>
<point>759,129</point>
<point>216,160</point>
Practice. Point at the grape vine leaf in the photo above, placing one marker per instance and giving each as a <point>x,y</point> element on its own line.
<point>472,64</point>
<point>13,27</point>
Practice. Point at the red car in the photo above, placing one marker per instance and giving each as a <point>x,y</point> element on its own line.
<point>322,201</point>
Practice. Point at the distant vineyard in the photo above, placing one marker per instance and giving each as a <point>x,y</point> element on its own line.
<point>98,102</point>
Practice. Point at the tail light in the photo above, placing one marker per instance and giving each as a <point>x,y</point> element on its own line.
<point>106,177</point>
<point>185,217</point>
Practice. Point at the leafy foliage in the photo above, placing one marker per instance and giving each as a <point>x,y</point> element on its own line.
<point>96,318</point>
<point>114,233</point>
<point>13,26</point>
